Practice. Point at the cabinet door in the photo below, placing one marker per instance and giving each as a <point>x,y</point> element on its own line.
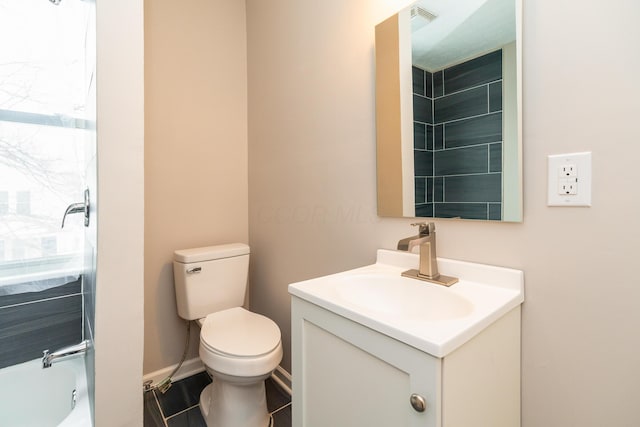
<point>347,375</point>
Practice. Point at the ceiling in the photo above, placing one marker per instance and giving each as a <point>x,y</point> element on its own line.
<point>462,29</point>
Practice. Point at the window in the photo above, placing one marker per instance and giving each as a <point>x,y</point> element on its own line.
<point>4,202</point>
<point>43,132</point>
<point>49,246</point>
<point>19,249</point>
<point>23,203</point>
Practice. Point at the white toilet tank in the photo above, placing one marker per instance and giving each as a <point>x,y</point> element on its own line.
<point>210,279</point>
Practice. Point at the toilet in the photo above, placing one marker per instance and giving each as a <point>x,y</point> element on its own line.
<point>238,348</point>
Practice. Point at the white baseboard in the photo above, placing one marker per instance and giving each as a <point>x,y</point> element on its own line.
<point>194,366</point>
<point>189,367</point>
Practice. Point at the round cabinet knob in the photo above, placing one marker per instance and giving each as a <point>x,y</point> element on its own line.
<point>418,402</point>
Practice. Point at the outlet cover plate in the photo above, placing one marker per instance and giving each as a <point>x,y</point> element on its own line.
<point>582,164</point>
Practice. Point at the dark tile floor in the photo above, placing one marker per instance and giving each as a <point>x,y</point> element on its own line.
<point>178,407</point>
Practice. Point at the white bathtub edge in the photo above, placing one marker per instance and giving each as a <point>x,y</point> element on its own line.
<point>80,415</point>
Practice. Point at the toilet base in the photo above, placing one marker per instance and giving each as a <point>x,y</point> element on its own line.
<point>225,404</point>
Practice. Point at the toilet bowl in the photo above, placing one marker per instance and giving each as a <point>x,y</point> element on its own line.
<point>238,348</point>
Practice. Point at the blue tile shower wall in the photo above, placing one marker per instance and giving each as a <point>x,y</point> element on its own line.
<point>458,139</point>
<point>35,321</point>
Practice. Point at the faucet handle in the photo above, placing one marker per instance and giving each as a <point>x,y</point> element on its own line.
<point>46,363</point>
<point>424,228</point>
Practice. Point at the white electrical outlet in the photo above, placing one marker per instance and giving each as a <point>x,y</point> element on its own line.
<point>568,170</point>
<point>568,186</point>
<point>569,180</point>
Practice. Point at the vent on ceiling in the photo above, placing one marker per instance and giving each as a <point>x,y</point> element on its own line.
<point>419,13</point>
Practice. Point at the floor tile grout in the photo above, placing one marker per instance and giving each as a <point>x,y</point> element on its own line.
<point>183,411</point>
<point>178,418</point>
<point>280,408</point>
<point>155,398</point>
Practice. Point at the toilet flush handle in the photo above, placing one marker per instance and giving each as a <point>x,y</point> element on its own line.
<point>194,270</point>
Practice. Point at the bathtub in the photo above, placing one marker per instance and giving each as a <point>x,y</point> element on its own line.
<point>34,397</point>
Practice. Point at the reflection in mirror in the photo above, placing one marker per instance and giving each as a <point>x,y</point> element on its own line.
<point>448,111</point>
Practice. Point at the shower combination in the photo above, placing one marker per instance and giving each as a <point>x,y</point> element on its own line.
<point>48,277</point>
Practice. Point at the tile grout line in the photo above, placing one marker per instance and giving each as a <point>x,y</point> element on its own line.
<point>19,304</point>
<point>155,397</point>
<point>183,411</point>
<point>166,419</point>
<point>280,408</point>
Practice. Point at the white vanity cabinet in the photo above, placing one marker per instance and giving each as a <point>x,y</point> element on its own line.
<point>348,375</point>
<point>364,355</point>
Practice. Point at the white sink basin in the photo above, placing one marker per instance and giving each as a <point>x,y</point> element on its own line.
<point>400,296</point>
<point>430,317</point>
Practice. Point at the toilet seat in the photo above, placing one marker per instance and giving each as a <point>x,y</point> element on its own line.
<point>240,343</point>
<point>237,332</point>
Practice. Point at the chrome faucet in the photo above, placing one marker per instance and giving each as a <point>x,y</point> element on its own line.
<point>48,358</point>
<point>428,267</point>
<point>75,208</point>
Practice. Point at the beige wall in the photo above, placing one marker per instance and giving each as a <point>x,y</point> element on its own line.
<point>313,198</point>
<point>195,150</point>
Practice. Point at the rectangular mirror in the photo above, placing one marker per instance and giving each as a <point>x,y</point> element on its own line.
<point>448,110</point>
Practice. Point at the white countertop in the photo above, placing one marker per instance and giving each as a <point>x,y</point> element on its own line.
<point>430,317</point>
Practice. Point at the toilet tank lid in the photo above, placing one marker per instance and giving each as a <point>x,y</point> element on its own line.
<point>209,253</point>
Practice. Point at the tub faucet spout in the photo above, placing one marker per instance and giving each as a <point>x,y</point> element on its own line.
<point>48,358</point>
